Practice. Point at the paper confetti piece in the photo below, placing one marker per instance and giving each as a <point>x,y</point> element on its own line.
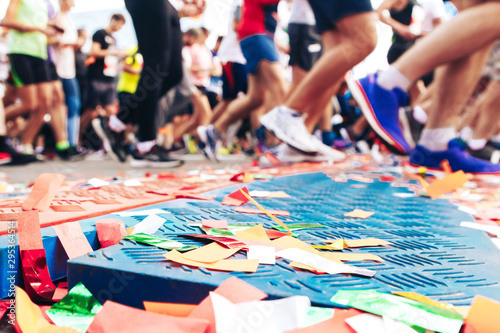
<point>218,224</point>
<point>232,265</point>
<point>447,184</point>
<point>72,239</point>
<point>236,198</point>
<point>149,225</point>
<point>210,253</point>
<point>265,254</point>
<point>169,309</point>
<point>359,213</point>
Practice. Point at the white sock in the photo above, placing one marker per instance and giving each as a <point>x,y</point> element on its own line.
<point>496,138</point>
<point>437,139</point>
<point>477,144</point>
<point>419,114</point>
<point>466,133</point>
<point>116,124</point>
<point>145,146</point>
<point>392,78</point>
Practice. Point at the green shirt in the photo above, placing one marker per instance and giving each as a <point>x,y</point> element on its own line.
<point>34,13</point>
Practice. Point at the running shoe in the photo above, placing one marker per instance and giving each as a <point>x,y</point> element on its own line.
<point>210,140</point>
<point>70,155</point>
<point>112,142</point>
<point>157,157</point>
<point>5,158</point>
<point>327,153</point>
<point>289,127</point>
<point>412,128</point>
<point>456,155</point>
<point>381,109</point>
<point>489,153</point>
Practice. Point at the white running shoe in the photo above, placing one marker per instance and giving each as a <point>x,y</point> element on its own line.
<point>287,154</point>
<point>327,153</point>
<point>289,127</point>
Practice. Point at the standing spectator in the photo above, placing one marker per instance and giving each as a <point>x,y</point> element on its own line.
<point>28,20</point>
<point>103,71</point>
<point>66,70</point>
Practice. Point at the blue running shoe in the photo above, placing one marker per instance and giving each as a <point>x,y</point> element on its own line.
<point>209,141</point>
<point>456,155</point>
<point>381,109</point>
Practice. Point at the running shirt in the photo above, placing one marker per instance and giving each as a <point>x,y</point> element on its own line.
<point>34,13</point>
<point>65,56</point>
<point>258,17</point>
<point>202,59</point>
<point>229,50</point>
<point>302,13</point>
<point>128,82</point>
<point>104,69</point>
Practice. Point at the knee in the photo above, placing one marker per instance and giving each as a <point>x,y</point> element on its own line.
<point>256,101</point>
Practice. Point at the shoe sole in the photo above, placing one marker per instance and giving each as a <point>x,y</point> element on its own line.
<point>150,164</point>
<point>268,122</point>
<point>5,161</point>
<point>207,151</point>
<point>413,168</point>
<point>360,96</point>
<point>96,125</point>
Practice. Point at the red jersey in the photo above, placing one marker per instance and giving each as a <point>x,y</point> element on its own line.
<point>258,17</point>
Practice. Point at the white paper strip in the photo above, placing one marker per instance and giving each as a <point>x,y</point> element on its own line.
<point>366,323</point>
<point>491,229</point>
<point>259,316</point>
<point>149,225</point>
<point>265,254</point>
<point>144,212</point>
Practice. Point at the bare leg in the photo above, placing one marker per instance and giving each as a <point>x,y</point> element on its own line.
<point>358,39</point>
<point>445,44</point>
<point>58,112</point>
<point>454,85</point>
<point>220,109</point>
<point>487,106</point>
<point>242,107</point>
<point>3,125</point>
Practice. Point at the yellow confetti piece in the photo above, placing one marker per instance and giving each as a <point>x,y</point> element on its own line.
<point>266,212</point>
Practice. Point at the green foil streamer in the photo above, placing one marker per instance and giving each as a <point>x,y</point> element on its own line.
<point>162,243</point>
<point>76,310</point>
<point>299,226</point>
<point>408,311</point>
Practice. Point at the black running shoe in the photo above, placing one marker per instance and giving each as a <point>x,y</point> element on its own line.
<point>70,155</point>
<point>157,157</point>
<point>112,142</point>
<point>15,157</point>
<point>489,153</point>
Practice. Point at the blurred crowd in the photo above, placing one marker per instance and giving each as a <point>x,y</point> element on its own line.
<point>149,108</point>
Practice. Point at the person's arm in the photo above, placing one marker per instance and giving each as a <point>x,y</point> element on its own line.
<point>10,21</point>
<point>384,14</point>
<point>97,51</point>
<point>192,8</point>
<point>128,68</point>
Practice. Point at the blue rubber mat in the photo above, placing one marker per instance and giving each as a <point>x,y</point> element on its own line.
<point>432,254</point>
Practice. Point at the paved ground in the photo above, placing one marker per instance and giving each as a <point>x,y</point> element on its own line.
<point>106,167</point>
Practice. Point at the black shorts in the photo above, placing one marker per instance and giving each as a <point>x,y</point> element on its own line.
<point>52,71</point>
<point>329,12</point>
<point>305,45</point>
<point>101,93</point>
<point>234,80</point>
<point>27,70</point>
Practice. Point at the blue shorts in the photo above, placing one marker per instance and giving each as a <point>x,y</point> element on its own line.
<point>234,80</point>
<point>256,48</point>
<point>329,12</point>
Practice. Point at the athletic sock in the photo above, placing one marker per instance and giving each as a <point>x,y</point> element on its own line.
<point>328,138</point>
<point>63,145</point>
<point>496,138</point>
<point>145,146</point>
<point>437,139</point>
<point>419,114</point>
<point>116,124</point>
<point>392,78</point>
<point>466,133</point>
<point>477,144</point>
